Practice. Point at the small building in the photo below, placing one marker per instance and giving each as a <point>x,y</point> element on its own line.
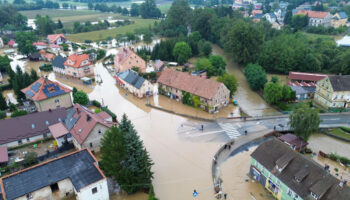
<point>159,65</point>
<point>305,77</point>
<point>40,45</point>
<point>270,17</point>
<point>78,66</point>
<point>47,94</point>
<point>303,93</point>
<point>257,17</point>
<point>135,84</point>
<point>339,19</point>
<point>29,128</point>
<point>35,56</point>
<point>254,12</point>
<point>55,47</point>
<point>126,59</point>
<point>74,175</point>
<point>58,64</point>
<point>60,133</point>
<point>1,43</point>
<point>317,18</point>
<point>287,174</point>
<point>48,57</point>
<point>87,127</point>
<point>213,95</point>
<point>12,44</point>
<point>344,42</point>
<point>295,142</point>
<point>333,92</point>
<point>56,39</point>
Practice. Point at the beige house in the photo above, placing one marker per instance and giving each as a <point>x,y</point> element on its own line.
<point>333,92</point>
<point>73,176</point>
<point>317,18</point>
<point>48,94</point>
<point>213,95</point>
<point>78,66</point>
<point>135,84</point>
<point>339,19</point>
<point>126,59</point>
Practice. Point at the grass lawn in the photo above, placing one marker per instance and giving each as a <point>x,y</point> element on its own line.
<point>313,37</point>
<point>54,13</point>
<point>340,133</point>
<point>103,34</point>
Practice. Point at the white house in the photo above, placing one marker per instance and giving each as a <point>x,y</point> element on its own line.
<point>135,84</point>
<point>58,64</point>
<point>40,45</point>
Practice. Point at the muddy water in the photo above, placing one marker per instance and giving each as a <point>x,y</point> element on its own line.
<point>342,172</point>
<point>247,99</point>
<point>328,144</point>
<point>180,166</point>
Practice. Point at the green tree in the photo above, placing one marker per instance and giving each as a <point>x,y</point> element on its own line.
<point>28,48</point>
<point>230,82</point>
<point>3,104</point>
<point>204,48</point>
<point>196,101</point>
<point>205,64</point>
<point>25,42</point>
<point>147,37</point>
<point>30,159</point>
<point>304,121</point>
<point>178,16</point>
<point>33,75</point>
<point>4,63</point>
<point>273,92</point>
<point>18,113</point>
<point>186,98</point>
<point>255,76</point>
<point>80,97</point>
<point>288,17</point>
<point>151,194</point>
<point>59,24</point>
<point>243,41</point>
<point>2,114</point>
<point>299,21</point>
<point>287,93</point>
<point>218,64</point>
<point>274,79</point>
<point>44,25</point>
<point>182,52</point>
<point>134,10</point>
<point>148,9</point>
<point>200,21</point>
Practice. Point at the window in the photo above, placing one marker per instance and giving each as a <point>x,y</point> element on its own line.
<point>45,135</point>
<point>99,131</point>
<point>54,187</point>
<point>59,119</point>
<point>290,193</point>
<point>33,126</point>
<point>28,139</point>
<point>57,101</point>
<point>296,196</point>
<point>29,196</point>
<point>94,190</point>
<point>47,122</point>
<point>19,141</point>
<point>90,144</point>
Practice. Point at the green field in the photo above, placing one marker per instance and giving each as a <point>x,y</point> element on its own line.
<point>340,133</point>
<point>103,34</point>
<point>57,13</point>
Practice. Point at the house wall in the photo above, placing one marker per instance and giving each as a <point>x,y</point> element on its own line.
<point>146,86</point>
<point>79,72</point>
<point>39,47</point>
<point>65,186</point>
<point>132,61</point>
<point>95,137</point>
<point>61,140</point>
<point>101,194</point>
<point>340,22</point>
<point>24,141</point>
<point>54,102</point>
<point>321,21</point>
<point>59,70</point>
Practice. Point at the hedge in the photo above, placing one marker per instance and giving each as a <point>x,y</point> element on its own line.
<point>5,87</point>
<point>114,116</point>
<point>346,129</point>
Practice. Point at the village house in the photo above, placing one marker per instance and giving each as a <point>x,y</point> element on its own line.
<point>55,48</point>
<point>58,64</point>
<point>1,43</point>
<point>317,18</point>
<point>333,92</point>
<point>287,174</point>
<point>29,128</point>
<point>36,56</point>
<point>303,92</point>
<point>79,66</point>
<point>48,57</point>
<point>84,127</point>
<point>159,65</point>
<point>339,19</point>
<point>47,94</point>
<point>254,12</point>
<point>74,175</point>
<point>126,59</point>
<point>135,84</point>
<point>12,44</point>
<point>212,94</point>
<point>295,142</point>
<point>56,39</point>
<point>305,77</point>
<point>270,17</point>
<point>40,45</point>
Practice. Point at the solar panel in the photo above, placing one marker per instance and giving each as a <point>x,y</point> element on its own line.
<point>29,93</point>
<point>36,86</point>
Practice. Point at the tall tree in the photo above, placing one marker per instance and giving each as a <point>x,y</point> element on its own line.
<point>134,10</point>
<point>24,41</point>
<point>44,25</point>
<point>178,14</point>
<point>304,121</point>
<point>148,9</point>
<point>200,21</point>
<point>182,52</point>
<point>59,24</point>
<point>3,104</point>
<point>230,82</point>
<point>204,48</point>
<point>218,63</point>
<point>80,97</point>
<point>255,76</point>
<point>273,92</point>
<point>33,75</point>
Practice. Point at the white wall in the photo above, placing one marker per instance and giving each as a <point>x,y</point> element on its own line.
<point>31,139</point>
<point>101,194</point>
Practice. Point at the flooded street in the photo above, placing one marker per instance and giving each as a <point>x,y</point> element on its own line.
<point>248,100</point>
<point>320,142</point>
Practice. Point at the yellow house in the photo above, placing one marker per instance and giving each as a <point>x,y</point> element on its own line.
<point>333,92</point>
<point>48,94</point>
<point>339,19</point>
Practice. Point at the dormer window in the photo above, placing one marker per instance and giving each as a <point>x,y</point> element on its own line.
<point>47,122</point>
<point>314,195</point>
<point>33,126</point>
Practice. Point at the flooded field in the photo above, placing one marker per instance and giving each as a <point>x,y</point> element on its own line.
<point>247,99</point>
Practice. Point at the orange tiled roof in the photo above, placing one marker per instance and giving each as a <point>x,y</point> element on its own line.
<point>52,38</point>
<point>124,53</point>
<point>50,56</point>
<point>77,60</point>
<point>202,87</point>
<point>313,14</point>
<point>43,88</point>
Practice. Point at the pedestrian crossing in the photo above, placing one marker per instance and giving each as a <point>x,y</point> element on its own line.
<point>230,130</point>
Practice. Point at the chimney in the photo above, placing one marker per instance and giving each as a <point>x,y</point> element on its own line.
<point>78,111</point>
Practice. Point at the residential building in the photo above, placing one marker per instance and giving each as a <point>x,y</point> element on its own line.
<point>270,17</point>
<point>135,84</point>
<point>86,127</point>
<point>58,64</point>
<point>126,59</point>
<point>257,17</point>
<point>289,175</point>
<point>47,94</point>
<point>295,142</point>
<point>305,77</point>
<point>56,39</point>
<point>1,43</point>
<point>12,44</point>
<point>40,45</point>
<point>48,57</point>
<point>254,12</point>
<point>74,175</point>
<point>213,95</point>
<point>317,18</point>
<point>339,19</point>
<point>55,47</point>
<point>333,92</point>
<point>29,128</point>
<point>35,56</point>
<point>79,66</point>
<point>303,93</point>
<point>280,14</point>
<point>159,65</point>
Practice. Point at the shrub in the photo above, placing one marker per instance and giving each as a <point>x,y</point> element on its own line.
<point>30,158</point>
<point>97,110</point>
<point>46,67</point>
<point>2,114</point>
<point>114,116</point>
<point>96,103</point>
<point>18,113</point>
<point>346,129</point>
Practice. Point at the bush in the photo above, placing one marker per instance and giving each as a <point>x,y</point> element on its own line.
<point>18,113</point>
<point>46,67</point>
<point>97,111</point>
<point>346,129</point>
<point>96,103</point>
<point>114,116</point>
<point>30,159</point>
<point>5,87</point>
<point>2,114</point>
<point>65,47</point>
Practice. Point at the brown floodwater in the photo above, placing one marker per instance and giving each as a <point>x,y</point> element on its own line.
<point>328,144</point>
<point>247,99</point>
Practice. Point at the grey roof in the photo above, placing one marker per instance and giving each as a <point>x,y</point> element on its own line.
<point>58,62</point>
<point>303,90</point>
<point>272,15</point>
<point>340,83</point>
<point>314,177</point>
<point>258,16</point>
<point>70,121</point>
<point>29,125</point>
<point>78,167</point>
<point>132,78</point>
<point>343,15</point>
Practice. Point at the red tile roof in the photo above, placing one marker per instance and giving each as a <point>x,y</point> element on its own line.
<point>53,38</point>
<point>58,130</point>
<point>39,44</point>
<point>84,126</point>
<point>77,60</point>
<point>50,56</point>
<point>11,42</point>
<point>205,88</point>
<point>55,46</point>
<point>313,14</point>
<point>304,76</point>
<point>44,88</point>
<point>4,157</point>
